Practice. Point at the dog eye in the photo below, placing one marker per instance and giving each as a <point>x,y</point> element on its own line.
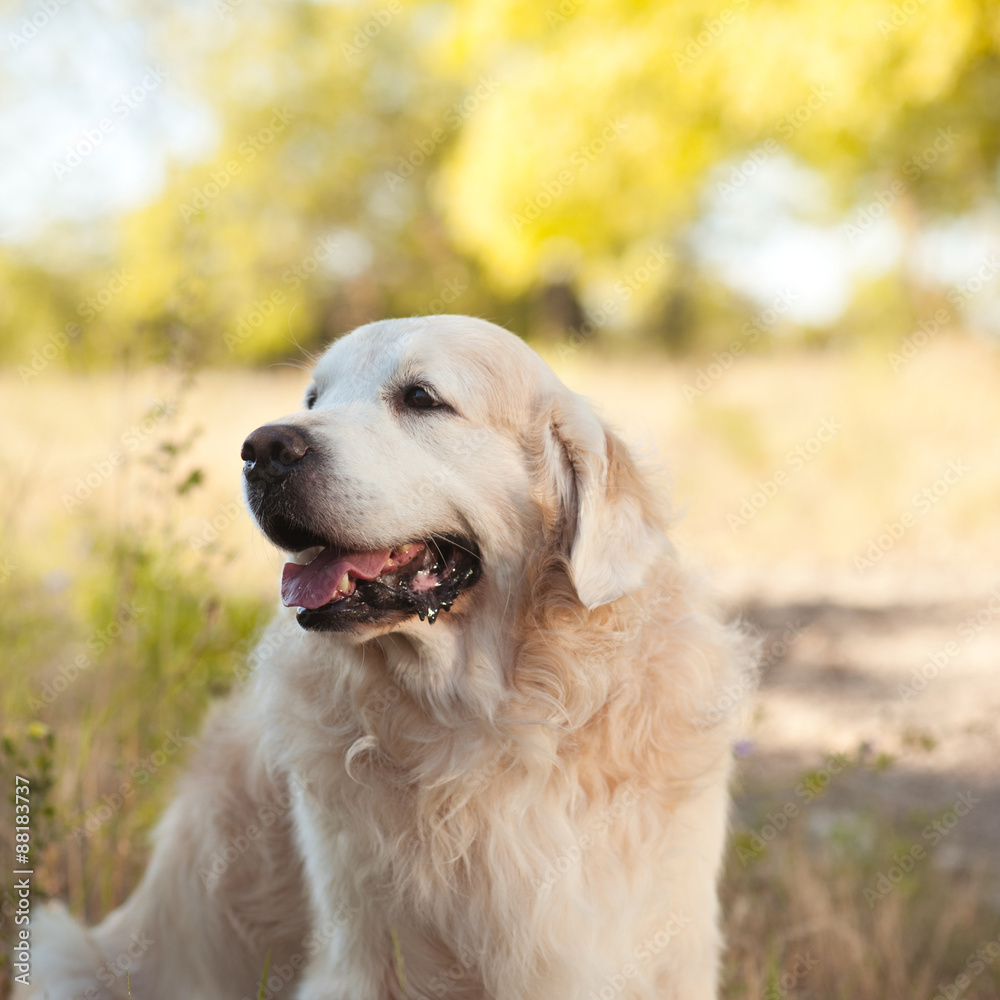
<point>311,397</point>
<point>417,397</point>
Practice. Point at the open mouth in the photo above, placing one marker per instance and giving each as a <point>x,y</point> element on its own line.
<point>333,588</point>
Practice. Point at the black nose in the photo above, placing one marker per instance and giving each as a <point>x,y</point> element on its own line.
<point>272,452</point>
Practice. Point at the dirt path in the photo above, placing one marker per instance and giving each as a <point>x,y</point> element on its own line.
<point>903,664</point>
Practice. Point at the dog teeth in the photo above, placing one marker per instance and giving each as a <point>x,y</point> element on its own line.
<point>405,554</point>
<point>345,584</point>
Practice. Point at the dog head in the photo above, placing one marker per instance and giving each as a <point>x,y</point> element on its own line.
<point>435,458</point>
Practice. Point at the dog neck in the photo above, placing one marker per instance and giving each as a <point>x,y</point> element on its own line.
<point>458,668</point>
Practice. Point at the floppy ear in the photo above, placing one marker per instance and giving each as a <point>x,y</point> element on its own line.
<point>611,527</point>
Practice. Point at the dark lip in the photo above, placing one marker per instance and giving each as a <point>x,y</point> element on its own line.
<point>282,529</point>
<point>375,603</point>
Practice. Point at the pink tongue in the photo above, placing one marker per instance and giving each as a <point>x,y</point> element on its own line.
<point>314,585</point>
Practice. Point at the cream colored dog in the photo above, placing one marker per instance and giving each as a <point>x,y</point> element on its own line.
<point>480,754</point>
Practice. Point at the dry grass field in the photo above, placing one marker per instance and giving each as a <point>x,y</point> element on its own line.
<point>847,511</point>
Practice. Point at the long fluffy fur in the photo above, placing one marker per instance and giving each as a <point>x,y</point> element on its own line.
<point>538,813</point>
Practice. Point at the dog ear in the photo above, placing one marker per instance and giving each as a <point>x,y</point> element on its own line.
<point>612,533</point>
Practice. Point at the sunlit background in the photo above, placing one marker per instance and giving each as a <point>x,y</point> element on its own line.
<point>763,236</point>
<point>832,162</point>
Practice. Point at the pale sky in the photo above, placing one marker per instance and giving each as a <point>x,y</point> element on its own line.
<point>86,63</point>
<point>90,71</point>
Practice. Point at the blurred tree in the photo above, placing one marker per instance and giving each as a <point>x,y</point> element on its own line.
<point>313,215</point>
<point>610,115</point>
<point>515,160</point>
